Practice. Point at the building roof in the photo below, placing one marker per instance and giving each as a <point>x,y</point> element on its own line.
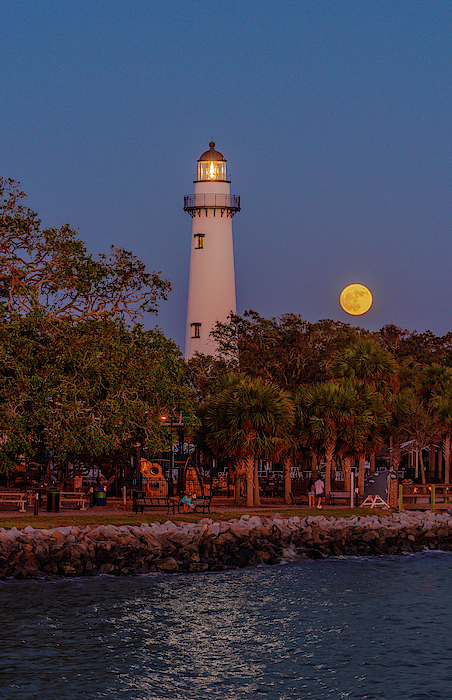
<point>212,154</point>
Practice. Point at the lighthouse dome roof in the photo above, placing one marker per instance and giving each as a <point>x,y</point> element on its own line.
<point>212,154</point>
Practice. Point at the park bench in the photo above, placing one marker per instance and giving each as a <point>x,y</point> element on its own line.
<point>14,498</point>
<point>340,496</point>
<point>73,497</point>
<point>155,502</point>
<point>197,504</point>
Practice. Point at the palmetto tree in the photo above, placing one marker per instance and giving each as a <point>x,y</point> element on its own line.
<point>435,384</point>
<point>362,433</point>
<point>368,361</point>
<point>442,407</point>
<point>249,419</point>
<point>323,411</point>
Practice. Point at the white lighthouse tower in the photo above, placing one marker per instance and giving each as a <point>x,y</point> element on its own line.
<point>211,291</point>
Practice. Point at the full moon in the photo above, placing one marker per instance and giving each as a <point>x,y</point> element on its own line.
<point>356,299</point>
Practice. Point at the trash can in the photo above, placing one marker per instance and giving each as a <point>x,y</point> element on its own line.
<point>53,501</point>
<point>100,496</point>
<point>135,495</point>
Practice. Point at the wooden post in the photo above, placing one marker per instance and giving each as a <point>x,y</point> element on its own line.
<point>400,497</point>
<point>432,498</point>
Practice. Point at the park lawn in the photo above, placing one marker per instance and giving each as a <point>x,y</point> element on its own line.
<point>76,519</point>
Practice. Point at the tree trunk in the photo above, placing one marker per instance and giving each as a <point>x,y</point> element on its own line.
<point>395,455</point>
<point>361,469</point>
<point>313,465</point>
<point>287,463</point>
<point>239,470</point>
<point>446,453</point>
<point>431,463</point>
<point>421,463</point>
<point>257,497</point>
<point>249,467</point>
<point>372,463</point>
<point>329,452</point>
<point>440,467</point>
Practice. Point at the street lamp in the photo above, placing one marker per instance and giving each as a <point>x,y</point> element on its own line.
<point>173,424</point>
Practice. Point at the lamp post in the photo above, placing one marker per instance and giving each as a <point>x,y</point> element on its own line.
<point>173,424</point>
<point>138,475</point>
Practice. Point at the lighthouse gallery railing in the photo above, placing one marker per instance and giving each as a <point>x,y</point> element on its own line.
<point>221,201</point>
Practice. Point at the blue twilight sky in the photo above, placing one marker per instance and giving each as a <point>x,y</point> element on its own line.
<point>335,117</point>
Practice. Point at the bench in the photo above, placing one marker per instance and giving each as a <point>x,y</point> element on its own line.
<point>16,499</point>
<point>203,503</point>
<point>73,497</point>
<point>155,502</point>
<point>196,504</point>
<point>341,496</point>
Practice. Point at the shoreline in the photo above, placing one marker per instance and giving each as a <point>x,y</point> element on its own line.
<point>208,545</point>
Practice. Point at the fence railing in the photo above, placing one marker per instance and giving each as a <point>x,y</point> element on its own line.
<point>425,497</point>
<point>217,201</point>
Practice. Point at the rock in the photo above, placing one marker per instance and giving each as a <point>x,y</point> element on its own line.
<point>196,567</point>
<point>169,564</point>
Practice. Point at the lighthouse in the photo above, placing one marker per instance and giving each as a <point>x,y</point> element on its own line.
<point>211,290</point>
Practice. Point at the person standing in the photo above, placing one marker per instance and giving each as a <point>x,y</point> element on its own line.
<point>311,494</point>
<point>319,487</point>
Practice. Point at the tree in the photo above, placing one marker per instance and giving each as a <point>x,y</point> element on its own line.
<point>323,409</point>
<point>73,376</point>
<point>50,270</point>
<point>442,407</point>
<point>413,425</point>
<point>287,350</point>
<point>362,433</point>
<point>248,419</point>
<point>95,387</point>
<point>367,362</point>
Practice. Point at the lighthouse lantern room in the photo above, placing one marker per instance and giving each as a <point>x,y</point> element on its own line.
<point>211,291</point>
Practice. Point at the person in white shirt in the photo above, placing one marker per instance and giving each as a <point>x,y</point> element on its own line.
<point>319,487</point>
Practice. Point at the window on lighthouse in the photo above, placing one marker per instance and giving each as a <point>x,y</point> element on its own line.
<point>196,330</point>
<point>199,240</point>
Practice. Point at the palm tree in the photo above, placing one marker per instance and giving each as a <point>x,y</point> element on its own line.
<point>323,410</point>
<point>442,407</point>
<point>362,433</point>
<point>249,419</point>
<point>367,361</point>
<point>414,422</point>
<point>436,389</point>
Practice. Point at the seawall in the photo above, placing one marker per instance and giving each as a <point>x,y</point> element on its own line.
<point>213,546</point>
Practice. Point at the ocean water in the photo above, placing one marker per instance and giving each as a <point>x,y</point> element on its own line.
<point>338,628</point>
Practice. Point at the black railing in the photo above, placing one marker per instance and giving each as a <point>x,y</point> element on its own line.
<point>209,201</point>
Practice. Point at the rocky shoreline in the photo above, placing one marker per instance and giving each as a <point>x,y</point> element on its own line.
<point>213,546</point>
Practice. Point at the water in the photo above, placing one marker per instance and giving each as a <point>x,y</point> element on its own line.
<point>339,628</point>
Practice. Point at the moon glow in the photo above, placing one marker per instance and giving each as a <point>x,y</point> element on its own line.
<point>356,299</point>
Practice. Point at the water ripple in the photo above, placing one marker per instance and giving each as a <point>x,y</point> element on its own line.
<point>337,628</point>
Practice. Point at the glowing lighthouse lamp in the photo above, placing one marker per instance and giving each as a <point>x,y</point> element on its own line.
<point>211,290</point>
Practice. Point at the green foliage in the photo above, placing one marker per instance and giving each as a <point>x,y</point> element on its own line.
<point>367,361</point>
<point>95,387</point>
<point>248,417</point>
<point>287,350</point>
<point>74,378</point>
<point>50,270</point>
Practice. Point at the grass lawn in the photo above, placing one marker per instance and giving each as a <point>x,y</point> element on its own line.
<point>77,519</point>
